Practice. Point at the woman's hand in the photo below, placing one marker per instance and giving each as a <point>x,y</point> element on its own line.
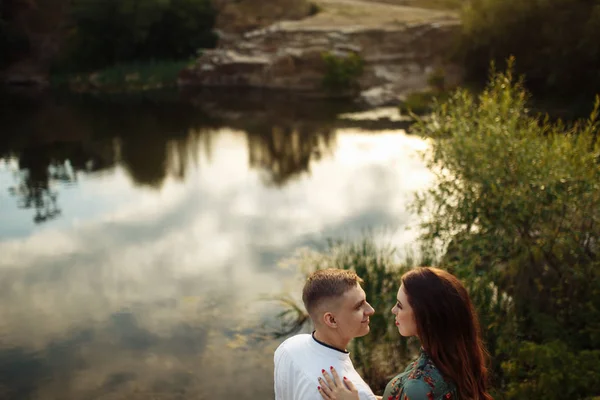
<point>336,389</point>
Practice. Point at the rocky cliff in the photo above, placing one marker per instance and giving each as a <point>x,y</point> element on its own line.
<point>399,56</point>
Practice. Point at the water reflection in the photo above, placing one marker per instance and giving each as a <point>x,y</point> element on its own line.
<point>55,139</point>
<point>174,215</point>
<point>41,168</point>
<point>288,151</point>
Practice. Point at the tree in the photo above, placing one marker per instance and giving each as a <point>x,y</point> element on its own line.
<point>555,41</point>
<point>517,210</point>
<point>106,32</point>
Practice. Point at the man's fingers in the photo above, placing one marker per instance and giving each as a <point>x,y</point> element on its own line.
<point>350,385</point>
<point>329,381</point>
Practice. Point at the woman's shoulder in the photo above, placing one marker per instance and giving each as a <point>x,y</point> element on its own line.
<point>421,382</point>
<point>425,370</point>
<point>426,377</point>
<point>429,385</point>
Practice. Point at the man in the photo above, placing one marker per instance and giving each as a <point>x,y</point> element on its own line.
<point>338,308</point>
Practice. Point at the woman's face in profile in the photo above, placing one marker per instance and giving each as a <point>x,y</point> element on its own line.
<point>405,318</point>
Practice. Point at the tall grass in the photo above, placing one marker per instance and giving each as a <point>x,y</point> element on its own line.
<point>382,353</point>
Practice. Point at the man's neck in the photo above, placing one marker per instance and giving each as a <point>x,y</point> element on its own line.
<point>331,340</point>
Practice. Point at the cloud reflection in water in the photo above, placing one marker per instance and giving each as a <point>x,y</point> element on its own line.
<point>142,292</point>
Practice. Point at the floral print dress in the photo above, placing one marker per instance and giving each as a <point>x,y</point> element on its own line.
<point>420,381</point>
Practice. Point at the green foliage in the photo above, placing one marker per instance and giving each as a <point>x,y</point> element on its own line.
<point>552,370</point>
<point>342,72</point>
<point>125,77</point>
<point>420,103</point>
<point>108,32</point>
<point>555,41</point>
<point>516,205</point>
<point>437,79</point>
<point>314,9</point>
<point>423,102</point>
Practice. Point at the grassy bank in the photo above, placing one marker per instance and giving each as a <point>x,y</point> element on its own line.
<point>126,77</point>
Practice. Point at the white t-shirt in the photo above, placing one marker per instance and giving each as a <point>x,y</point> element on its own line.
<point>298,364</point>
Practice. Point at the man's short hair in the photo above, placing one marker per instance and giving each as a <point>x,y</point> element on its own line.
<point>327,283</point>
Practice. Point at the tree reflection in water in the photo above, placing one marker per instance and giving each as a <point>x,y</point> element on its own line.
<point>287,151</point>
<point>158,138</point>
<point>285,134</point>
<point>37,175</point>
<point>33,191</point>
<point>43,168</point>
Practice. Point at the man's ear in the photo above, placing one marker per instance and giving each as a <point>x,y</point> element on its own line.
<point>329,320</point>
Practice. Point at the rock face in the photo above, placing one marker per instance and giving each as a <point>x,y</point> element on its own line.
<point>397,59</point>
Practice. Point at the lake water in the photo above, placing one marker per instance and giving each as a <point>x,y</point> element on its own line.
<point>140,235</point>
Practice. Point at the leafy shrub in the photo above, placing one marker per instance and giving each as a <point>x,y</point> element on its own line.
<point>107,32</point>
<point>517,208</point>
<point>437,79</point>
<point>314,9</point>
<point>342,72</point>
<point>420,103</point>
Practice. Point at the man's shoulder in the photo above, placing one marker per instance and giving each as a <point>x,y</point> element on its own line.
<point>294,342</point>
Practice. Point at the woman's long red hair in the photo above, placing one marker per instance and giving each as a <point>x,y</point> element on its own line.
<point>448,328</point>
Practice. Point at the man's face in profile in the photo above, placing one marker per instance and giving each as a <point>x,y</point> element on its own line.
<point>352,313</point>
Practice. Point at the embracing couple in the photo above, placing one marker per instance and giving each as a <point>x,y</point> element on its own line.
<point>431,304</point>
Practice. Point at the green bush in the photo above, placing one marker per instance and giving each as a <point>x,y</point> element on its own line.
<point>555,41</point>
<point>314,9</point>
<point>108,32</point>
<point>420,103</point>
<point>342,72</point>
<point>516,207</point>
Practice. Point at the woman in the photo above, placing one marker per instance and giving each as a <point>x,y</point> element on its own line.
<point>433,305</point>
